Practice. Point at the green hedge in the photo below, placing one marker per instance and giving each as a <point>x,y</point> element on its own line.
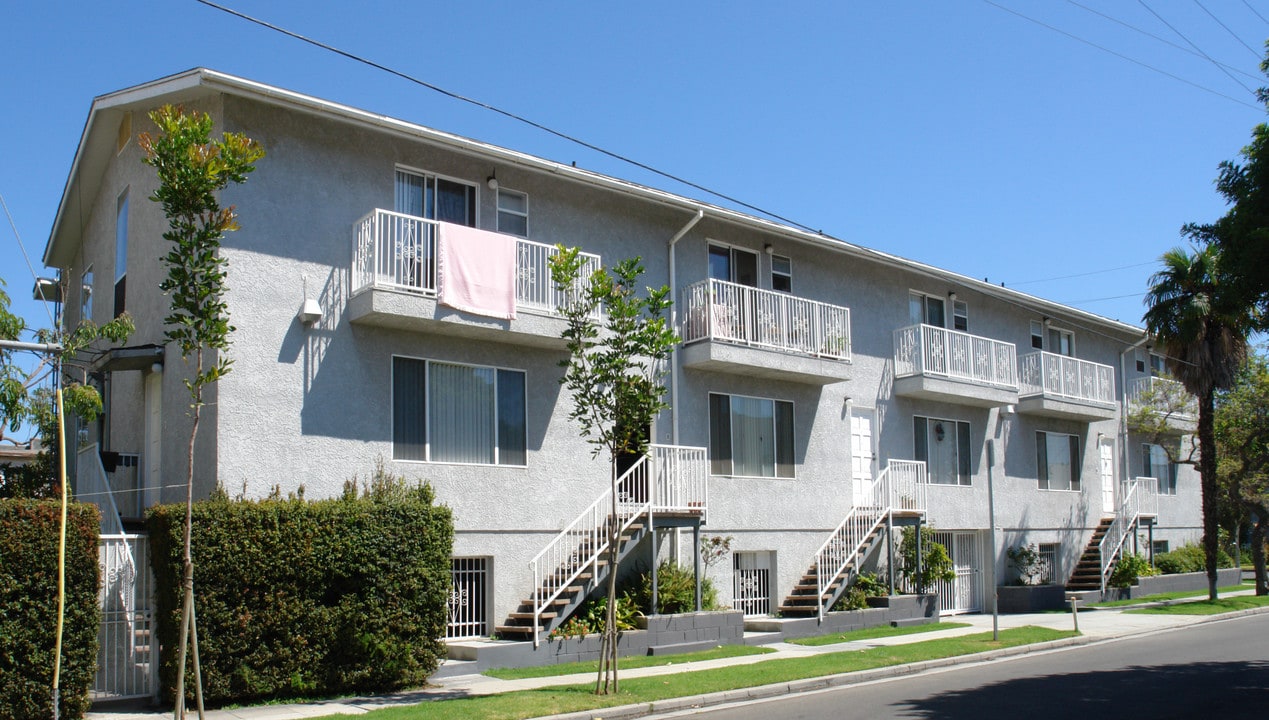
<point>1188,559</point>
<point>298,598</point>
<point>28,607</point>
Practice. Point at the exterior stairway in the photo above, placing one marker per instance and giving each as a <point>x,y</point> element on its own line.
<point>571,588</point>
<point>899,489</point>
<point>670,481</point>
<point>1088,571</point>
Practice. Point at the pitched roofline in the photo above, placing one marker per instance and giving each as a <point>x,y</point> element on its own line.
<point>200,81</point>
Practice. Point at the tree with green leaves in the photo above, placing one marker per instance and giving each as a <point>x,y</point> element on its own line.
<point>1242,438</point>
<point>26,390</point>
<point>618,340</point>
<point>934,566</point>
<point>192,170</point>
<point>1202,327</point>
<point>1242,233</point>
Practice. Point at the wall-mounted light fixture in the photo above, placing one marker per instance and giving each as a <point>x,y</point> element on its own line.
<point>951,295</point>
<point>492,181</point>
<point>768,248</point>
<point>310,310</point>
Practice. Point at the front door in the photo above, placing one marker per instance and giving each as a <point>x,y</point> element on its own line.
<point>1107,448</point>
<point>862,456</point>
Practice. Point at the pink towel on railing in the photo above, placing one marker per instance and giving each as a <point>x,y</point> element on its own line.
<point>477,271</point>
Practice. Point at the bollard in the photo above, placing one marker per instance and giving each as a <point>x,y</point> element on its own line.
<point>1075,613</point>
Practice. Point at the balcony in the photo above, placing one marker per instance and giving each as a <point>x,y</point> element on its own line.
<point>1058,386</point>
<point>934,363</point>
<point>761,333</point>
<point>394,284</point>
<point>1168,398</point>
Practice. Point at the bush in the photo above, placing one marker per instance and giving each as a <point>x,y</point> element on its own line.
<point>1128,568</point>
<point>936,564</point>
<point>856,597</point>
<point>592,616</point>
<point>1026,560</point>
<point>1189,558</point>
<point>676,588</point>
<point>299,598</point>
<point>29,532</point>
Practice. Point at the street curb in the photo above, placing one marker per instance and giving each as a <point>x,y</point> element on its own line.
<point>760,692</point>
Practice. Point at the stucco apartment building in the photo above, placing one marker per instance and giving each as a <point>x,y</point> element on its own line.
<point>809,367</point>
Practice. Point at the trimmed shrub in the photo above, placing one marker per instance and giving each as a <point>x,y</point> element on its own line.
<point>1128,568</point>
<point>1188,559</point>
<point>676,590</point>
<point>29,532</point>
<point>298,598</point>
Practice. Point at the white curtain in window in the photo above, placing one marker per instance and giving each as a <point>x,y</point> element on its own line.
<point>461,413</point>
<point>1058,458</point>
<point>753,436</point>
<point>409,194</point>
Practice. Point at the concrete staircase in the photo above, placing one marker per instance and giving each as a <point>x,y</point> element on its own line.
<point>1088,572</point>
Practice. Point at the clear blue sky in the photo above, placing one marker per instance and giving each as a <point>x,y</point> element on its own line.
<point>954,133</point>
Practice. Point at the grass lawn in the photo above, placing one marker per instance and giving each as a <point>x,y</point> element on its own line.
<point>874,632</point>
<point>1160,597</point>
<point>638,661</point>
<point>573,698</point>
<point>1207,607</point>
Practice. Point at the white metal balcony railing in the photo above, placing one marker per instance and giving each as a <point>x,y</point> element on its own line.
<point>395,251</point>
<point>719,310</point>
<point>1166,396</point>
<point>1066,378</point>
<point>939,352</point>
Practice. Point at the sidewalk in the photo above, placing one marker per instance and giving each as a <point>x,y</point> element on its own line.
<point>1095,625</point>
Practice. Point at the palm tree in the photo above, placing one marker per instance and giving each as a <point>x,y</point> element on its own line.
<point>1203,331</point>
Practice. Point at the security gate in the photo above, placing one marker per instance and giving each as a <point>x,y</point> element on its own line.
<point>127,648</point>
<point>751,582</point>
<point>963,594</point>
<point>467,598</point>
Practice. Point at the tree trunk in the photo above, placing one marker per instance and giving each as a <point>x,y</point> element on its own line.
<point>1260,533</point>
<point>1207,479</point>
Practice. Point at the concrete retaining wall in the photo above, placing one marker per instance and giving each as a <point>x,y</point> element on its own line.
<point>1174,583</point>
<point>885,610</point>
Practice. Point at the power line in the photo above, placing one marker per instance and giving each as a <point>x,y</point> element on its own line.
<point>1231,32</point>
<point>1119,55</point>
<point>1111,297</point>
<point>30,268</point>
<point>1196,47</point>
<point>506,113</point>
<point>1151,35</point>
<point>1262,17</point>
<point>1083,274</point>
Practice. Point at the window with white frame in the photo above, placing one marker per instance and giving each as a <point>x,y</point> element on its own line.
<point>751,582</point>
<point>1061,342</point>
<point>446,412</point>
<point>1037,335</point>
<point>928,310</point>
<point>513,212</point>
<point>1141,361</point>
<point>1157,366</point>
<point>944,445</point>
<point>733,264</point>
<point>121,253</point>
<point>1155,463</point>
<point>960,315</point>
<point>1058,461</point>
<point>1158,548</point>
<point>781,274</point>
<point>86,294</point>
<point>436,198</point>
<point>1048,553</point>
<point>468,598</point>
<point>750,437</point>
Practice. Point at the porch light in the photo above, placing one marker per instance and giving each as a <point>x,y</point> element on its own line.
<point>310,312</point>
<point>951,295</point>
<point>492,181</point>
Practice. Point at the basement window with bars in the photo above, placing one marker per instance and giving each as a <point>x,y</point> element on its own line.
<point>1048,562</point>
<point>469,584</point>
<point>751,582</point>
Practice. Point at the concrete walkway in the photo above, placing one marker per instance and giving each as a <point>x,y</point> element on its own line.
<point>1095,626</point>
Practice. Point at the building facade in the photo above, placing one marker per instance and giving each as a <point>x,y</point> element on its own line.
<point>808,365</point>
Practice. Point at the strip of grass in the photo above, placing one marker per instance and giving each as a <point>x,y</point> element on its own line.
<point>573,698</point>
<point>874,632</point>
<point>1160,597</point>
<point>722,651</point>
<point>1207,607</point>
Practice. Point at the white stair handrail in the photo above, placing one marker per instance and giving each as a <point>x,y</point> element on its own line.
<point>668,479</point>
<point>92,485</point>
<point>1112,542</point>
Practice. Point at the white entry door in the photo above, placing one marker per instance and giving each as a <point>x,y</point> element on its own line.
<point>862,456</point>
<point>1107,448</point>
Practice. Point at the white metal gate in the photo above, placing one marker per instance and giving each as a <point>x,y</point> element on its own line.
<point>963,594</point>
<point>127,649</point>
<point>467,598</point>
<point>751,582</point>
